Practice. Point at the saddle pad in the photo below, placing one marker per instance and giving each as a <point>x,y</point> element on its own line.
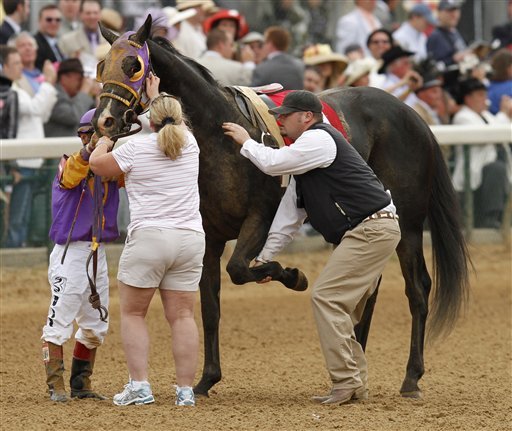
<point>262,110</point>
<point>328,111</point>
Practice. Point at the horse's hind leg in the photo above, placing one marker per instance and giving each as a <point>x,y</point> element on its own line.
<point>417,289</point>
<point>210,311</point>
<point>362,329</point>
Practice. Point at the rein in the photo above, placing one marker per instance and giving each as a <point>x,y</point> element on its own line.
<point>97,225</point>
<point>134,103</point>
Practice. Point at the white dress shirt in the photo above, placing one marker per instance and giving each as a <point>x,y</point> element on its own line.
<point>313,149</point>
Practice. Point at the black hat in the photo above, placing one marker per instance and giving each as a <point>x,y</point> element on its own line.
<point>393,54</point>
<point>432,76</point>
<point>429,82</point>
<point>70,65</point>
<point>468,86</point>
<point>298,101</point>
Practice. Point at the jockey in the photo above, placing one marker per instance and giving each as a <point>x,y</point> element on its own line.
<point>71,231</point>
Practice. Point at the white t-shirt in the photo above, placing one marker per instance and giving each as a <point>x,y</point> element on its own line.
<point>161,192</point>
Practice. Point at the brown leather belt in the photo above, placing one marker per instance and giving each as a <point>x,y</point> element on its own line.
<point>381,214</point>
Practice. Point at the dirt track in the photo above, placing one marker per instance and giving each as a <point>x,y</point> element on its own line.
<point>272,363</point>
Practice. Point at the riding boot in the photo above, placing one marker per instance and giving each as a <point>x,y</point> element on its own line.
<point>81,370</point>
<point>54,364</point>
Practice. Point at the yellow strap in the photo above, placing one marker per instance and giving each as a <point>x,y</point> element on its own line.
<point>116,97</point>
<point>122,85</point>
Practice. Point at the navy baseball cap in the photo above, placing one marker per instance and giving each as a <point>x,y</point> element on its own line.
<point>448,5</point>
<point>298,101</point>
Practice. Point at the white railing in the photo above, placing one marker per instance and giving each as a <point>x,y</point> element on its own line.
<point>473,134</point>
<point>54,147</point>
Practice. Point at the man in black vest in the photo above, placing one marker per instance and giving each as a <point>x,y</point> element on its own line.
<point>334,187</point>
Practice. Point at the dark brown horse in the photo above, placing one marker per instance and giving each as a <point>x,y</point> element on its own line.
<point>239,202</point>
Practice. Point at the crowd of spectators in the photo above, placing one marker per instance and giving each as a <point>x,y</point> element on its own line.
<point>411,49</point>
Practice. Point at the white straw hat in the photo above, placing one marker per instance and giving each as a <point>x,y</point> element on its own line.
<point>357,69</point>
<point>175,16</point>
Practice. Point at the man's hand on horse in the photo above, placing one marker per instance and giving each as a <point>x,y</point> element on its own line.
<point>237,132</point>
<point>152,84</point>
<point>265,279</point>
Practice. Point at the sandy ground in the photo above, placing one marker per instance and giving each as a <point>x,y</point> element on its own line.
<point>272,363</point>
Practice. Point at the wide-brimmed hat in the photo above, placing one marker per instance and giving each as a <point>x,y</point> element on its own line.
<point>421,9</point>
<point>112,19</point>
<point>357,69</point>
<point>70,65</point>
<point>174,16</point>
<point>187,4</point>
<point>298,101</point>
<point>392,54</point>
<point>322,53</point>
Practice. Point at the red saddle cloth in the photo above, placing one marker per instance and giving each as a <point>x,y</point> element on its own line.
<point>330,113</point>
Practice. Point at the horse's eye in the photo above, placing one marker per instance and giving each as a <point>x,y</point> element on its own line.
<point>139,73</point>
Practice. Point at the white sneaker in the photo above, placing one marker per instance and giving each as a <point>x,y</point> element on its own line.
<point>130,395</point>
<point>185,396</point>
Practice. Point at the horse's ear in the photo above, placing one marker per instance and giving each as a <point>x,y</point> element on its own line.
<point>143,33</point>
<point>110,36</point>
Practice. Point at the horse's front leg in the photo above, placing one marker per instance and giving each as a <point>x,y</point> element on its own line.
<point>417,289</point>
<point>250,241</point>
<point>210,312</point>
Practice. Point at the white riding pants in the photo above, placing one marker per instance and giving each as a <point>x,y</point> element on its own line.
<point>70,296</point>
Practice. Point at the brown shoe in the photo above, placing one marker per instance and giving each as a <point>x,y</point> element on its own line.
<point>341,396</point>
<point>360,393</point>
<point>320,398</point>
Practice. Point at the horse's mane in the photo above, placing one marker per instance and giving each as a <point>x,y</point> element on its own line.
<point>199,68</point>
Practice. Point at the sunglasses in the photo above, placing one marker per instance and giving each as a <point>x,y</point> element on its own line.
<point>381,42</point>
<point>50,19</point>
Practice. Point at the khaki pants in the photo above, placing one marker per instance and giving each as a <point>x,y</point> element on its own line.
<point>340,294</point>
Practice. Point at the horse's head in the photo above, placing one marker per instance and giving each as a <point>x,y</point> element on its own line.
<point>123,74</point>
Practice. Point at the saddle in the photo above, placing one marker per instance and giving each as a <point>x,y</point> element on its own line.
<point>253,105</point>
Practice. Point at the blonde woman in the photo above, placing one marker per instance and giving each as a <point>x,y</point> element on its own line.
<point>165,243</point>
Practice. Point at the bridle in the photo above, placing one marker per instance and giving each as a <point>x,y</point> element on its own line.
<point>137,102</point>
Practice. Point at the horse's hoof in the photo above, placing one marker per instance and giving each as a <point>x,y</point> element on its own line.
<point>417,395</point>
<point>201,393</point>
<point>298,281</point>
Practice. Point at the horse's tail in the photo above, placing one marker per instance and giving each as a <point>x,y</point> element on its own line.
<point>450,254</point>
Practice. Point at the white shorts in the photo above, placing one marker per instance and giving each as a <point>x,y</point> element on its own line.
<point>170,259</point>
<point>70,296</point>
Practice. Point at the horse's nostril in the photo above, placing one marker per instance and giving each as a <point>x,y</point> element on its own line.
<point>109,122</point>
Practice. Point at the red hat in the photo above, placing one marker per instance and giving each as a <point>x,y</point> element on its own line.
<point>241,24</point>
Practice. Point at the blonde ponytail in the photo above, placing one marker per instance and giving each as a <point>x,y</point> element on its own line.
<point>166,115</point>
